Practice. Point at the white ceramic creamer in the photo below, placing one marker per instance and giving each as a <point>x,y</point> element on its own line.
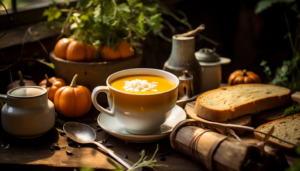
<point>28,113</point>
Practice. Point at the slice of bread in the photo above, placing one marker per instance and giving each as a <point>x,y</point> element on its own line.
<point>268,115</point>
<point>231,102</point>
<point>287,128</point>
<point>243,120</point>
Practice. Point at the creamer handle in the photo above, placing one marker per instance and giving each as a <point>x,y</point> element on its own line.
<point>95,92</point>
<point>3,97</point>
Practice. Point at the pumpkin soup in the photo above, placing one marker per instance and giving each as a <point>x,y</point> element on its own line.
<point>143,84</point>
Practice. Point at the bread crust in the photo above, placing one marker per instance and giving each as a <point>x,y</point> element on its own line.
<point>283,146</point>
<point>246,108</point>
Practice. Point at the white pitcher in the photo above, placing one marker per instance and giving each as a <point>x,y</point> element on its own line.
<point>28,113</point>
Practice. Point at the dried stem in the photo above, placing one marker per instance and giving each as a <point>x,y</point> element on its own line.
<point>21,83</point>
<point>73,83</point>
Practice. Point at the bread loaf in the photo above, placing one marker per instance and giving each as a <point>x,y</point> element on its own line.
<point>231,102</point>
<point>243,120</point>
<point>287,128</point>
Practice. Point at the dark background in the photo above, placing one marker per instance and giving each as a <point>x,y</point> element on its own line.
<point>243,36</point>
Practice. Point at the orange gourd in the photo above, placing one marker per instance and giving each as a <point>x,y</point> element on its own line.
<point>109,54</point>
<point>73,101</point>
<point>60,49</point>
<point>20,82</point>
<point>90,52</point>
<point>52,85</point>
<point>72,50</point>
<point>243,77</point>
<point>125,49</point>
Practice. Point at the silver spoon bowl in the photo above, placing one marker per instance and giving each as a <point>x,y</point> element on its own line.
<point>85,134</point>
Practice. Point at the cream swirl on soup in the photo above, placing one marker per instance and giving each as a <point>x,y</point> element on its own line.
<point>143,84</point>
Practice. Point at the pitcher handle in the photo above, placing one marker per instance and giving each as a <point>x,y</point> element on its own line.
<point>3,97</point>
<point>95,92</point>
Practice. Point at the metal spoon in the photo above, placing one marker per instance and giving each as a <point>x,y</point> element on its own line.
<point>84,134</point>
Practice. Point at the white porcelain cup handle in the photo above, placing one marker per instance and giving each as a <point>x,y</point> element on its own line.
<point>3,97</point>
<point>95,92</point>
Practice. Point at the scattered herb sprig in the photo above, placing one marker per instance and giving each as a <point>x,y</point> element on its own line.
<point>295,108</point>
<point>146,163</point>
<point>142,163</point>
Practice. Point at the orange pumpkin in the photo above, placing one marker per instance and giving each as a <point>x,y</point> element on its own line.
<point>243,77</point>
<point>72,50</point>
<point>109,54</point>
<point>125,49</point>
<point>90,52</point>
<point>52,85</point>
<point>60,49</point>
<point>20,82</point>
<point>73,101</point>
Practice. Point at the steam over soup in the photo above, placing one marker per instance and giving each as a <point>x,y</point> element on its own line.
<point>143,84</point>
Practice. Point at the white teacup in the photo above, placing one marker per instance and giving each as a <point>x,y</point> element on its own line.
<point>140,113</point>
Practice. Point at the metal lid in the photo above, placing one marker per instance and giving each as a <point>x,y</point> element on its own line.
<point>186,76</point>
<point>207,55</point>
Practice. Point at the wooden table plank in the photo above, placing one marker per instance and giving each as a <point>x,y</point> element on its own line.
<point>36,152</point>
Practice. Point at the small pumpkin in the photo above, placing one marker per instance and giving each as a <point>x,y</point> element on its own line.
<point>60,49</point>
<point>73,101</point>
<point>52,85</point>
<point>20,82</point>
<point>125,49</point>
<point>109,54</point>
<point>73,50</point>
<point>243,77</point>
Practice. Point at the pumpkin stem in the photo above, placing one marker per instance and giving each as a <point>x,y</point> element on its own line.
<point>48,83</point>
<point>21,83</point>
<point>245,73</point>
<point>73,83</point>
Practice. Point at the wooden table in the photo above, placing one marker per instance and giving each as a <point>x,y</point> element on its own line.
<point>35,154</point>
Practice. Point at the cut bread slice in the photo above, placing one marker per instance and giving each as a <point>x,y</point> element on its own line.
<point>268,115</point>
<point>231,102</point>
<point>243,120</point>
<point>287,128</point>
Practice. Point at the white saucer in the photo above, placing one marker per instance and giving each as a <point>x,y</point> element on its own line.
<point>112,126</point>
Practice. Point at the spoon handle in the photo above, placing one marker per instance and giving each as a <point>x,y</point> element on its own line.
<point>126,164</point>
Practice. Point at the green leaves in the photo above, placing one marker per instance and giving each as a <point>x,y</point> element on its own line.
<point>51,65</point>
<point>124,7</point>
<point>52,13</point>
<point>97,13</point>
<point>265,4</point>
<point>109,22</point>
<point>267,69</point>
<point>292,109</point>
<point>155,21</point>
